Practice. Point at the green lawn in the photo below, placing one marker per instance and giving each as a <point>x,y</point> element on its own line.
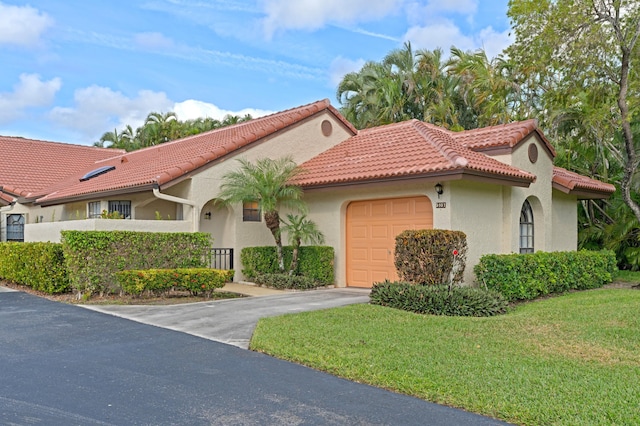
<point>572,360</point>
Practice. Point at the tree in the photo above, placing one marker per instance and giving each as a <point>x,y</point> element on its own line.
<point>584,53</point>
<point>299,229</point>
<point>267,182</point>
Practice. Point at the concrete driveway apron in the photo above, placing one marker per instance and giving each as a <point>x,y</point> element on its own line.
<point>232,321</point>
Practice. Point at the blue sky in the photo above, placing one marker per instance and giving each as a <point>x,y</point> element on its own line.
<point>74,69</point>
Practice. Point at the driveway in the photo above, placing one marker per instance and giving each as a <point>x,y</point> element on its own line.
<point>65,365</point>
<point>232,321</point>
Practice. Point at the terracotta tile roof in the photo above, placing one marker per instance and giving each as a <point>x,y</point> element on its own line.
<point>501,136</point>
<point>161,164</point>
<point>402,150</point>
<point>583,186</point>
<point>6,199</point>
<point>29,166</point>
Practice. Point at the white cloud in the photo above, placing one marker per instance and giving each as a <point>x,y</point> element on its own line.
<point>153,40</point>
<point>192,109</point>
<point>314,14</point>
<point>22,25</point>
<point>101,109</point>
<point>445,34</point>
<point>31,91</point>
<point>341,66</point>
<point>463,7</point>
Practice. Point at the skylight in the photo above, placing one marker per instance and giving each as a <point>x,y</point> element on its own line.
<point>97,172</point>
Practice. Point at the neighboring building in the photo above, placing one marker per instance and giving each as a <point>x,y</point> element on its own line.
<point>497,184</point>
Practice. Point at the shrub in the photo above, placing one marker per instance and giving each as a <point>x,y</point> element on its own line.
<point>431,256</point>
<point>315,262</point>
<point>160,281</point>
<point>38,265</point>
<point>93,257</point>
<point>441,299</point>
<point>527,276</point>
<point>286,281</point>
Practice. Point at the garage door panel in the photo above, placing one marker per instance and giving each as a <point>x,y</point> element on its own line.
<point>371,230</point>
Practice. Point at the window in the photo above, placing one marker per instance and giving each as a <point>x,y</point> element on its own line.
<point>15,227</point>
<point>95,209</point>
<point>251,211</point>
<point>526,228</point>
<point>122,207</point>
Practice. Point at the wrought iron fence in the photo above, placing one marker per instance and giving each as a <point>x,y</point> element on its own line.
<point>221,258</point>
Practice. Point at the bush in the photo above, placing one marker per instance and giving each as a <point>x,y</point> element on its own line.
<point>160,281</point>
<point>314,262</point>
<point>527,276</point>
<point>37,265</point>
<point>286,281</point>
<point>438,299</point>
<point>431,256</point>
<point>94,257</point>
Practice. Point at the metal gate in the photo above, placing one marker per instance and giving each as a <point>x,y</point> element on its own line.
<point>221,258</point>
<point>15,227</point>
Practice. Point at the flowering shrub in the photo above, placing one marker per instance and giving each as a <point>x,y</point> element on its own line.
<point>160,281</point>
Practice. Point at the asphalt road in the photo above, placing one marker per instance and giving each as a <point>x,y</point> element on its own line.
<point>64,365</point>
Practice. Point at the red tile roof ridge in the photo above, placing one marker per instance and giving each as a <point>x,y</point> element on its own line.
<point>444,143</point>
<point>65,144</point>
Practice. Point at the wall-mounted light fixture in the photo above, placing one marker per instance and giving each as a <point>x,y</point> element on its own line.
<point>439,189</point>
<point>207,215</point>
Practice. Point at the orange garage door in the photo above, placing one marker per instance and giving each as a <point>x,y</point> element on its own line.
<point>371,230</point>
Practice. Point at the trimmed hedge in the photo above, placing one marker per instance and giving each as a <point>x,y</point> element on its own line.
<point>438,299</point>
<point>314,262</point>
<point>286,281</point>
<point>431,256</point>
<point>38,265</point>
<point>161,281</point>
<point>94,257</point>
<point>527,276</point>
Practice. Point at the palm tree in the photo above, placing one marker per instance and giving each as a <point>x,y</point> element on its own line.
<point>300,230</point>
<point>267,182</point>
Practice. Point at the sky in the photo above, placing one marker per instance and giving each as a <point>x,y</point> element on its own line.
<point>71,70</point>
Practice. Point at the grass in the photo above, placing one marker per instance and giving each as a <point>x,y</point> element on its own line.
<point>570,360</point>
<point>627,276</point>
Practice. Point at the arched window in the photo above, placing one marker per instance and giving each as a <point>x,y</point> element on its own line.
<point>526,228</point>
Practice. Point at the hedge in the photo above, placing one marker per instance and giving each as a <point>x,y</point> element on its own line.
<point>441,299</point>
<point>527,276</point>
<point>94,257</point>
<point>314,262</point>
<point>286,281</point>
<point>431,256</point>
<point>160,281</point>
<point>38,265</point>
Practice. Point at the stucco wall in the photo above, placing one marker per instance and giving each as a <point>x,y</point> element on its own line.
<point>565,222</point>
<point>477,210</point>
<point>51,231</point>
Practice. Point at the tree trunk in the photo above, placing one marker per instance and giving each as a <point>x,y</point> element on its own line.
<point>272,220</point>
<point>631,165</point>
<point>294,258</point>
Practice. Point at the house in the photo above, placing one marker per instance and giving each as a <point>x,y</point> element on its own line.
<point>497,184</point>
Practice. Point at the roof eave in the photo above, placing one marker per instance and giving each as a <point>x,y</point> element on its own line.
<point>582,193</point>
<point>451,175</point>
<point>96,195</point>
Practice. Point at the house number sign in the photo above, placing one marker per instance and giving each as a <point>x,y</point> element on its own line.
<point>441,205</point>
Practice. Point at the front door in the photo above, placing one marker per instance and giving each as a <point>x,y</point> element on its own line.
<point>15,227</point>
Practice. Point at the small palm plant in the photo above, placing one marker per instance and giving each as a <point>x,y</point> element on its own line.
<point>267,182</point>
<point>299,229</point>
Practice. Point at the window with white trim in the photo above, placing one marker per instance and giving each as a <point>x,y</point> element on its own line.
<point>94,209</point>
<point>526,228</point>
